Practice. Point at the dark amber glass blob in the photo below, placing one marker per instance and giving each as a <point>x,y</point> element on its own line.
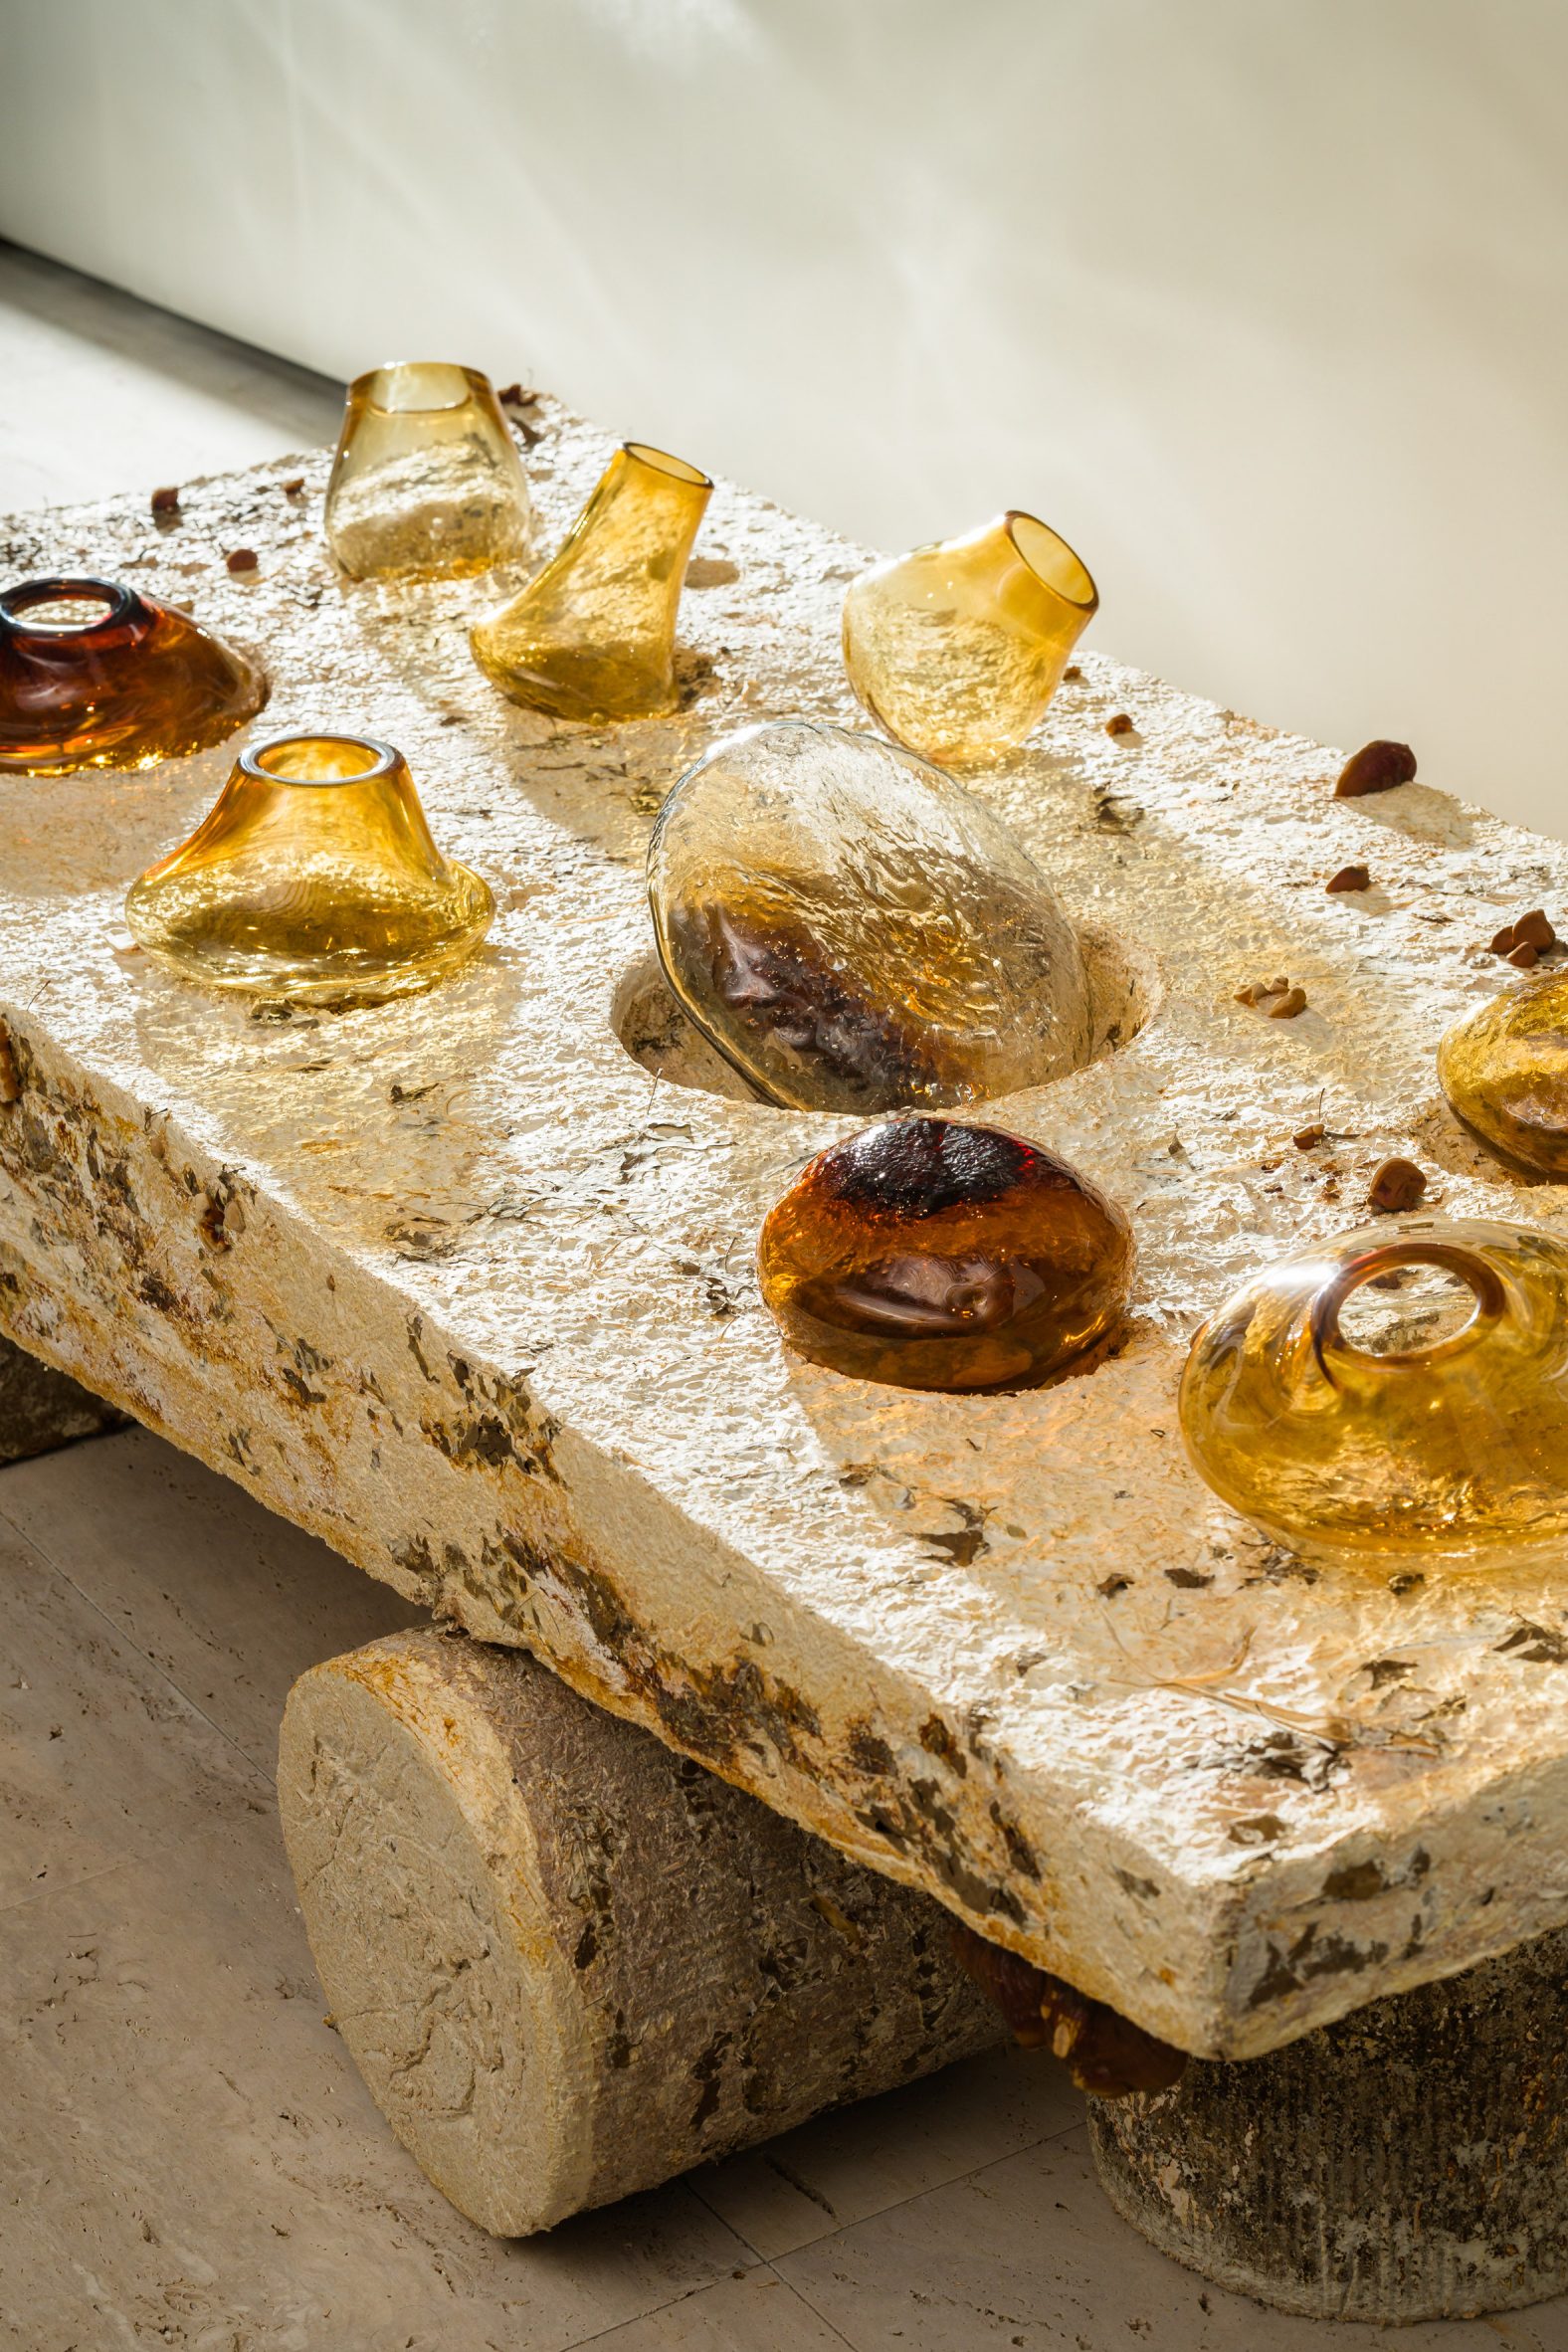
<point>928,1255</point>
<point>93,674</point>
<point>1504,1070</point>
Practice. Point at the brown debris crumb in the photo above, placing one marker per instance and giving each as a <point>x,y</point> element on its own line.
<point>1286,1007</point>
<point>1305,1138</point>
<point>1396,1184</point>
<point>242,559</point>
<point>166,501</point>
<point>1533,931</point>
<point>1071,673</point>
<point>1524,956</point>
<point>293,488</point>
<point>1349,877</point>
<point>517,396</point>
<point>1103,2052</point>
<point>1121,724</point>
<point>1376,767</point>
<point>10,1076</point>
<point>711,571</point>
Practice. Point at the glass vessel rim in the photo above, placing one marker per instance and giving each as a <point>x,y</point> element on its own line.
<point>1021,526</point>
<point>383,759</point>
<point>1467,1265</point>
<point>475,379</point>
<point>662,461</point>
<point>115,602</point>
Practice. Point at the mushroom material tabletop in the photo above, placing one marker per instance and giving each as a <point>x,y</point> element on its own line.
<point>466,1282</point>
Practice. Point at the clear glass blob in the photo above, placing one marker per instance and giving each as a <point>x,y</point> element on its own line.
<point>1504,1071</point>
<point>927,1255</point>
<point>593,636</point>
<point>427,483</point>
<point>93,674</point>
<point>314,879</point>
<point>1436,1434</point>
<point>957,649</point>
<point>853,932</point>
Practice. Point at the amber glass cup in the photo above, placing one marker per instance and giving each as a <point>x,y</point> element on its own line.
<point>1504,1071</point>
<point>927,1255</point>
<point>314,879</point>
<point>593,636</point>
<point>957,649</point>
<point>93,674</point>
<point>1428,1441</point>
<point>427,483</point>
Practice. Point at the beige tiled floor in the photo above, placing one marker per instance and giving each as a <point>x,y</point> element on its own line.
<point>187,2157</point>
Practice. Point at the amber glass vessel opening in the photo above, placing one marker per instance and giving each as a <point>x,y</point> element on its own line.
<point>662,462</point>
<point>66,608</point>
<point>1052,560</point>
<point>319,759</point>
<point>1467,1272</point>
<point>418,387</point>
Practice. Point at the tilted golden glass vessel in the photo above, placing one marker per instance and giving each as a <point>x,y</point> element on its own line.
<point>427,483</point>
<point>1438,1446</point>
<point>853,932</point>
<point>957,649</point>
<point>593,636</point>
<point>1504,1071</point>
<point>927,1255</point>
<point>314,879</point>
<point>93,674</point>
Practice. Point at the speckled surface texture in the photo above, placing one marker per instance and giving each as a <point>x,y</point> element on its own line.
<point>462,1286</point>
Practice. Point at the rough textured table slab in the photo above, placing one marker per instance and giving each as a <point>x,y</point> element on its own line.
<point>467,1288</point>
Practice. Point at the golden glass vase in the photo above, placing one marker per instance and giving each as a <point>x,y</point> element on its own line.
<point>928,1255</point>
<point>314,879</point>
<point>957,649</point>
<point>427,483</point>
<point>1504,1071</point>
<point>593,636</point>
<point>1441,1446</point>
<point>93,674</point>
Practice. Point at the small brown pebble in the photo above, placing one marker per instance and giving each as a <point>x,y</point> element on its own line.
<point>293,486</point>
<point>1249,994</point>
<point>1376,767</point>
<point>1533,931</point>
<point>1502,941</point>
<point>1071,673</point>
<point>1286,1007</point>
<point>10,1076</point>
<point>1524,956</point>
<point>516,396</point>
<point>1121,724</point>
<point>1349,877</point>
<point>166,501</point>
<point>243,559</point>
<point>1396,1184</point>
<point>1305,1138</point>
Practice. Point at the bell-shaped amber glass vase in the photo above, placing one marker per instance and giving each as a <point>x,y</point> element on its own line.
<point>593,636</point>
<point>1394,1400</point>
<point>1504,1071</point>
<point>93,674</point>
<point>927,1255</point>
<point>427,483</point>
<point>957,649</point>
<point>854,932</point>
<point>314,879</point>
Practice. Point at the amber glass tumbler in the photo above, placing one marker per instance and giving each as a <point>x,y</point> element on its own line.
<point>314,879</point>
<point>924,1254</point>
<point>957,649</point>
<point>593,636</point>
<point>1504,1070</point>
<point>93,674</point>
<point>427,483</point>
<point>1443,1445</point>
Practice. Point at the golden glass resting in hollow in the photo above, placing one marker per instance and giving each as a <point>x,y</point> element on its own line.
<point>957,649</point>
<point>927,1255</point>
<point>1504,1071</point>
<point>314,879</point>
<point>427,483</point>
<point>1446,1446</point>
<point>593,636</point>
<point>93,674</point>
<point>853,932</point>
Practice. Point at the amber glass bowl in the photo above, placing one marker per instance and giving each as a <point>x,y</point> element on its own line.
<point>593,636</point>
<point>93,674</point>
<point>427,483</point>
<point>957,649</point>
<point>313,879</point>
<point>924,1254</point>
<point>1434,1442</point>
<point>1504,1071</point>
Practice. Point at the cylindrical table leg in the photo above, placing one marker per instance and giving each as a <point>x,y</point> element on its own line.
<point>570,1963</point>
<point>1410,2162</point>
